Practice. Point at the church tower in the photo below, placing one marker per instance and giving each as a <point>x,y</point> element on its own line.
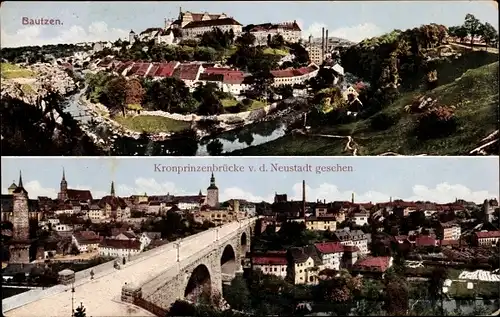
<point>112,192</point>
<point>213,193</point>
<point>63,188</point>
<point>20,243</point>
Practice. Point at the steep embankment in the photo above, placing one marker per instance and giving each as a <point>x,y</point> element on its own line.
<point>474,96</point>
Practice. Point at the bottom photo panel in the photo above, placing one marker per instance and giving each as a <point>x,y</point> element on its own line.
<point>246,236</point>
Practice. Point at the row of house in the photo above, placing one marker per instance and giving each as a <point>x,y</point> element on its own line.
<point>307,265</point>
<point>123,244</point>
<point>228,80</point>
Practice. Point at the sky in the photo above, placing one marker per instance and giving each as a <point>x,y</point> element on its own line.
<point>437,179</point>
<point>352,20</point>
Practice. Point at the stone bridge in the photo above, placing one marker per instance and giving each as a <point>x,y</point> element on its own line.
<point>190,268</point>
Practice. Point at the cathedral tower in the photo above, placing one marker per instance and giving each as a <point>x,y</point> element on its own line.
<point>63,188</point>
<point>213,193</point>
<point>20,243</point>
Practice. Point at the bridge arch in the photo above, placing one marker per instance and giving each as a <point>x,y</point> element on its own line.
<point>228,260</point>
<point>199,286</point>
<point>244,245</point>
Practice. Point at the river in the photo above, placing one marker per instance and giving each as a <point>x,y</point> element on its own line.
<point>241,138</point>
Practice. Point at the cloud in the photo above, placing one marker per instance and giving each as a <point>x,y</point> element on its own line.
<point>355,33</point>
<point>238,193</point>
<point>442,193</point>
<point>35,189</point>
<point>151,187</point>
<point>34,35</point>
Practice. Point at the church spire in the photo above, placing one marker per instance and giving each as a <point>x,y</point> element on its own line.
<point>212,179</point>
<point>64,175</point>
<point>20,180</point>
<point>112,188</point>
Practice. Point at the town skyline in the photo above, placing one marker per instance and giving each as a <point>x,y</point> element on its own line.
<point>368,179</point>
<point>103,21</point>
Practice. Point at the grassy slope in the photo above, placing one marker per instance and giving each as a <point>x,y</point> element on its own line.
<point>152,124</point>
<point>475,96</point>
<point>9,71</point>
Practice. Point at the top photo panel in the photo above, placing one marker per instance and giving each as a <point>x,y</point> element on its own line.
<point>249,78</point>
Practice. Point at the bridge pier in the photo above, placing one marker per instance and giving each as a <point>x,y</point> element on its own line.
<point>130,293</point>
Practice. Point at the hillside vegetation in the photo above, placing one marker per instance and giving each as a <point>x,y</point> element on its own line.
<point>426,96</point>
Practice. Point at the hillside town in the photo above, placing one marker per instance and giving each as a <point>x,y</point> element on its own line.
<point>184,87</point>
<point>302,242</point>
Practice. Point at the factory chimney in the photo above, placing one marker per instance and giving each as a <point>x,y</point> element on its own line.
<point>322,43</point>
<point>304,198</point>
<point>326,42</point>
<point>352,198</point>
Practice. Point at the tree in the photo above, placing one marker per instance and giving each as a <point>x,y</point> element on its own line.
<point>246,39</point>
<point>488,34</point>
<point>115,91</point>
<point>237,294</point>
<point>170,95</point>
<point>473,27</point>
<point>436,283</point>
<point>215,148</point>
<point>80,311</point>
<point>396,294</point>
<point>134,92</point>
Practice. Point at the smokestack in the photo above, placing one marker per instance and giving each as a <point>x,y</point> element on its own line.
<point>352,198</point>
<point>322,43</point>
<point>326,42</point>
<point>304,197</point>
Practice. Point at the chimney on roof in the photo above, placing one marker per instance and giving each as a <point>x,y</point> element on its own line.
<point>304,197</point>
<point>322,44</point>
<point>326,42</point>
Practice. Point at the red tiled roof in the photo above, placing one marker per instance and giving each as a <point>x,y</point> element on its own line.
<point>121,244</point>
<point>143,69</point>
<point>380,263</point>
<point>123,66</point>
<point>329,247</point>
<point>153,69</point>
<point>77,194</point>
<point>292,72</point>
<point>449,242</point>
<point>186,71</point>
<point>274,259</point>
<point>165,69</point>
<point>233,78</point>
<point>220,70</point>
<point>422,241</point>
<point>209,23</point>
<point>488,234</point>
<point>113,201</point>
<point>134,69</point>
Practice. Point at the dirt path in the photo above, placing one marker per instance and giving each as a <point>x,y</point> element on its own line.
<point>478,48</point>
<point>350,146</point>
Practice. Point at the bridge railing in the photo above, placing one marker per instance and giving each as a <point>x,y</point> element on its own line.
<point>151,283</point>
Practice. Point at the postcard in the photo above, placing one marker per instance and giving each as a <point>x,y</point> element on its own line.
<point>250,79</point>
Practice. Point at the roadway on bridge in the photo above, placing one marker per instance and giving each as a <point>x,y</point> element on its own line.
<point>101,296</point>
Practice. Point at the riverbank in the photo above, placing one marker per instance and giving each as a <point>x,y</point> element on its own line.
<point>176,123</point>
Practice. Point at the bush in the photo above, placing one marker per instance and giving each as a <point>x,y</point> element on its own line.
<point>435,123</point>
<point>383,121</point>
